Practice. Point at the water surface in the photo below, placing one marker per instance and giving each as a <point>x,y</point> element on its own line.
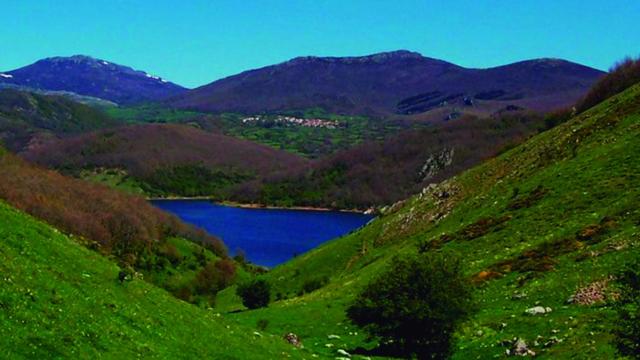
<point>267,236</point>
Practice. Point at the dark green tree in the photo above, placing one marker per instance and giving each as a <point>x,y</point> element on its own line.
<point>416,305</point>
<point>255,293</point>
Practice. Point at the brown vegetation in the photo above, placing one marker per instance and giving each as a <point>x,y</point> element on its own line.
<point>113,222</point>
<point>143,149</point>
<point>374,174</point>
<point>621,76</point>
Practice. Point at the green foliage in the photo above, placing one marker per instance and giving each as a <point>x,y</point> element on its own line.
<point>255,293</point>
<point>191,180</point>
<point>627,330</point>
<point>114,178</point>
<point>416,305</point>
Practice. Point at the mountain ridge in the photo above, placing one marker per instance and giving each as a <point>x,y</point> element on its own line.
<point>86,75</point>
<point>381,85</point>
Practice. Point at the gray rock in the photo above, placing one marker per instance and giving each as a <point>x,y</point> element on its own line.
<point>520,348</point>
<point>344,353</point>
<point>538,310</point>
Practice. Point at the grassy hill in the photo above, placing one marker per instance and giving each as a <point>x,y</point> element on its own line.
<point>540,223</point>
<point>60,300</point>
<point>140,237</point>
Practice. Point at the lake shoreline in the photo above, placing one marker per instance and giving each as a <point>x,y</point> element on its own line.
<point>255,205</point>
<point>268,237</point>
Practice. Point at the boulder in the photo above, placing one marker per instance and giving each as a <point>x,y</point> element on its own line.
<point>538,310</point>
<point>520,348</point>
<point>293,339</point>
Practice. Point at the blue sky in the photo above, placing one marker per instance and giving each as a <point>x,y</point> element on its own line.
<point>195,42</point>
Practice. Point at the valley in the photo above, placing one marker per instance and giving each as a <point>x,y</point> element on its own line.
<point>382,205</point>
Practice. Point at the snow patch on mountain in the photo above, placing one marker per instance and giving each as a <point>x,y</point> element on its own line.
<point>155,77</point>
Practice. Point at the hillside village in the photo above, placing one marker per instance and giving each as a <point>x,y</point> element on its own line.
<point>291,121</point>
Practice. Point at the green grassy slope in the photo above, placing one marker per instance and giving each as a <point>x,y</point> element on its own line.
<point>60,300</point>
<point>533,226</point>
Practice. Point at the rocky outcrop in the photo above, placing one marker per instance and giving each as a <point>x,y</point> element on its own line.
<point>435,163</point>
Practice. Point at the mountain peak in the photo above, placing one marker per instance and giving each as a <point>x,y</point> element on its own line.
<point>89,76</point>
<point>73,58</point>
<point>372,58</point>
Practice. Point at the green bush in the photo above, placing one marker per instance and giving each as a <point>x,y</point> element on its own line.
<point>314,284</point>
<point>415,306</point>
<point>255,293</point>
<point>627,332</point>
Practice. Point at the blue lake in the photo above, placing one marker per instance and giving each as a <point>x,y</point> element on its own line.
<point>267,236</point>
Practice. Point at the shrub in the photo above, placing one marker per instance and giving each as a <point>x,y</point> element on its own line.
<point>215,277</point>
<point>627,332</point>
<point>314,284</point>
<point>183,293</point>
<point>622,76</point>
<point>416,305</point>
<point>172,253</point>
<point>255,294</point>
<point>227,270</point>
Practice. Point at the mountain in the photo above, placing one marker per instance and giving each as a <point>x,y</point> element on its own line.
<point>548,223</point>
<point>88,76</point>
<point>168,159</point>
<point>27,118</point>
<point>393,83</point>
